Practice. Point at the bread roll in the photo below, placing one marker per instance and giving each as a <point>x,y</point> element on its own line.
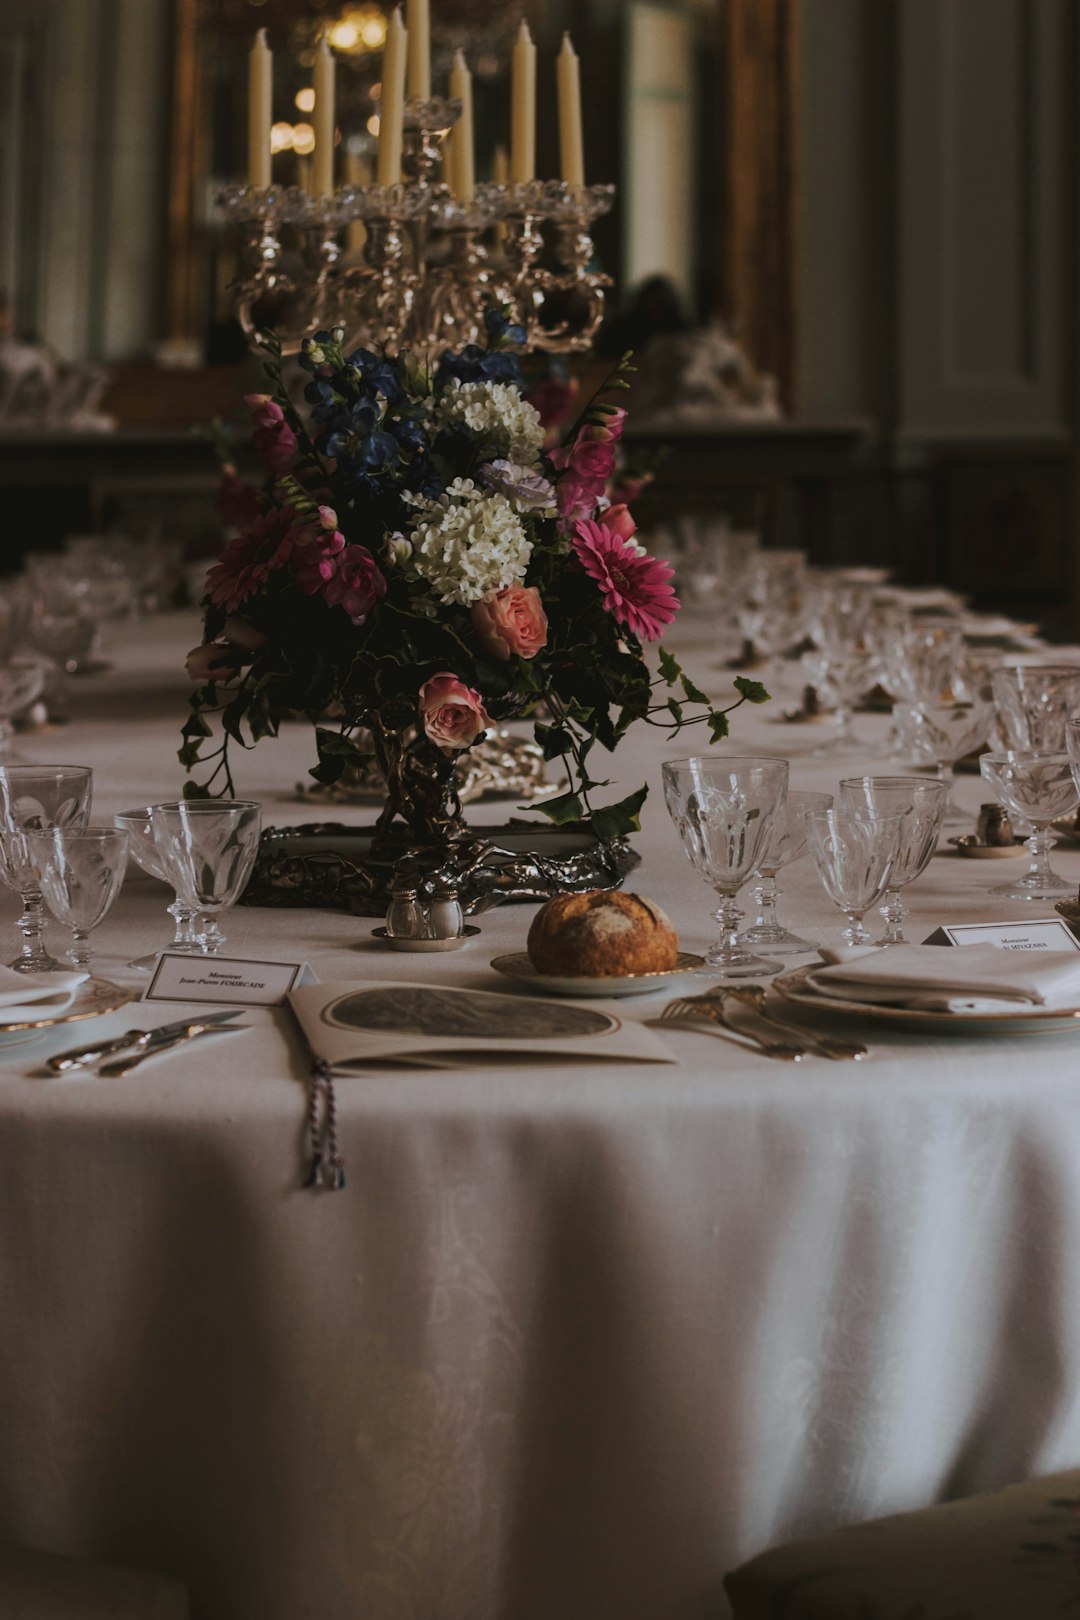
<point>601,934</point>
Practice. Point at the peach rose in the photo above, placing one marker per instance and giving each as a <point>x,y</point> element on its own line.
<point>620,521</point>
<point>240,632</point>
<point>452,713</point>
<point>512,621</point>
<point>211,662</point>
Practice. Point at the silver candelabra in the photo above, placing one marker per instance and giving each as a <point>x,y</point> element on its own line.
<point>431,265</point>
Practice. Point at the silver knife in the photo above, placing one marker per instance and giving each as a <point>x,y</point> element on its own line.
<point>135,1039</point>
<point>116,1068</point>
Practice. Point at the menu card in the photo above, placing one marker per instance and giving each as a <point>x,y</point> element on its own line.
<point>360,1027</point>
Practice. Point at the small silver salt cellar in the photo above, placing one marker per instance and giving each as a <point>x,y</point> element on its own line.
<point>425,916</point>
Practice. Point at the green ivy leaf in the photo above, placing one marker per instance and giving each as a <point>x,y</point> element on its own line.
<point>694,693</point>
<point>718,726</point>
<point>752,691</point>
<point>563,810</point>
<point>616,820</point>
<point>676,711</point>
<point>670,669</point>
<point>196,790</point>
<point>554,740</point>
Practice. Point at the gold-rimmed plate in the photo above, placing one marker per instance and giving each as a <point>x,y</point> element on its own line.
<point>517,966</point>
<point>1020,1020</point>
<point>93,999</point>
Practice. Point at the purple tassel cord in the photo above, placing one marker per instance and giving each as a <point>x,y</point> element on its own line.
<point>327,1167</point>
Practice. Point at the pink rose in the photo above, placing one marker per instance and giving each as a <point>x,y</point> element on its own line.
<point>211,662</point>
<point>356,583</point>
<point>576,497</point>
<point>593,458</point>
<point>512,621</point>
<point>239,632</point>
<point>620,521</point>
<point>453,714</point>
<point>273,438</point>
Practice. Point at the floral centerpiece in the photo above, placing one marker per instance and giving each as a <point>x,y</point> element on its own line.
<point>420,566</point>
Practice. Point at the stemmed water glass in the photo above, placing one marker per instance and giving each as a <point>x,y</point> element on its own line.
<point>920,806</point>
<point>1033,704</point>
<point>1039,788</point>
<point>138,824</point>
<point>942,733</point>
<point>841,674</point>
<point>854,857</point>
<point>724,810</point>
<point>786,843</point>
<point>207,848</point>
<point>81,870</point>
<point>34,798</point>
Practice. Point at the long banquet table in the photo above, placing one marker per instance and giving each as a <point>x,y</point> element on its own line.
<point>571,1342</point>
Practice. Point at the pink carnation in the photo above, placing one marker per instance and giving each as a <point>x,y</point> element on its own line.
<point>634,587</point>
<point>576,497</point>
<point>248,558</point>
<point>452,713</point>
<point>356,583</point>
<point>512,621</point>
<point>315,562</point>
<point>273,438</point>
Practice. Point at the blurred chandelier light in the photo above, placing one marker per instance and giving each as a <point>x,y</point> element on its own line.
<point>432,264</point>
<point>359,28</point>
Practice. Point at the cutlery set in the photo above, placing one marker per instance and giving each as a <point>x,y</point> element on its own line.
<point>135,1046</point>
<point>745,1013</point>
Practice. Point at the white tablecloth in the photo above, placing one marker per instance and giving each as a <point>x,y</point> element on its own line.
<point>568,1344</point>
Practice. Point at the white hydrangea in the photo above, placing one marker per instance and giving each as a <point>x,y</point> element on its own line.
<point>497,410</point>
<point>469,543</point>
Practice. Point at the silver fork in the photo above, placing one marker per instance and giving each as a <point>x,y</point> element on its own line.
<point>754,997</point>
<point>695,1012</point>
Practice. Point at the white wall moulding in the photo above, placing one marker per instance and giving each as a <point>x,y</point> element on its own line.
<point>984,158</point>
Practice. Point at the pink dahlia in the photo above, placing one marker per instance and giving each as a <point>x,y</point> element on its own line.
<point>634,586</point>
<point>247,560</point>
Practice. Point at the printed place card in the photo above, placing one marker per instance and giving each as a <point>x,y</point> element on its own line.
<point>234,980</point>
<point>1043,934</point>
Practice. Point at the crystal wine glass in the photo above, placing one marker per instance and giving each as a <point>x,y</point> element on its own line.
<point>138,824</point>
<point>943,733</point>
<point>841,675</point>
<point>32,799</point>
<point>786,843</point>
<point>81,870</point>
<point>207,848</point>
<point>1040,788</point>
<point>724,810</point>
<point>921,807</point>
<point>1033,704</point>
<point>854,857</point>
<point>22,681</point>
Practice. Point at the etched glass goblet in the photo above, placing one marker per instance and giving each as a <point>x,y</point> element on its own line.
<point>81,870</point>
<point>786,843</point>
<point>138,824</point>
<point>1033,704</point>
<point>921,806</point>
<point>207,848</point>
<point>854,857</point>
<point>942,733</point>
<point>34,798</point>
<point>841,675</point>
<point>724,810</point>
<point>1040,788</point>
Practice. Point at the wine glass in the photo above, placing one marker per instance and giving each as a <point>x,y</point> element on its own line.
<point>138,824</point>
<point>207,848</point>
<point>944,732</point>
<point>841,674</point>
<point>854,857</point>
<point>1033,704</point>
<point>32,799</point>
<point>724,810</point>
<point>786,843</point>
<point>22,681</point>
<point>919,659</point>
<point>921,806</point>
<point>1040,788</point>
<point>81,870</point>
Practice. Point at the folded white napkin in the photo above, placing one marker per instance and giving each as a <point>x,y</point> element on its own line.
<point>36,995</point>
<point>953,978</point>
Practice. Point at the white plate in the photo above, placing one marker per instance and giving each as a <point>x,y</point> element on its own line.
<point>1019,1021</point>
<point>517,966</point>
